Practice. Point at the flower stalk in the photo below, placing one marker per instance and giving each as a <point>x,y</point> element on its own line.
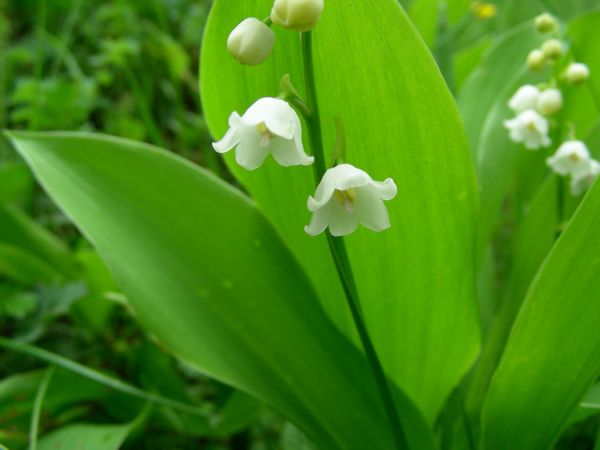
<point>339,253</point>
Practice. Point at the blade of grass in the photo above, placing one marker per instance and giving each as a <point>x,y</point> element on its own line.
<point>37,408</point>
<point>106,380</point>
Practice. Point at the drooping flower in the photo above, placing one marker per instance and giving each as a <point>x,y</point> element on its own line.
<point>571,158</point>
<point>251,42</point>
<point>549,101</point>
<point>299,15</point>
<point>269,126</point>
<point>347,197</point>
<point>525,98</point>
<point>582,182</point>
<point>530,129</point>
<point>577,73</point>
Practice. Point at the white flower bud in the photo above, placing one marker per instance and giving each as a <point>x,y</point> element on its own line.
<point>577,73</point>
<point>536,60</point>
<point>251,42</point>
<point>299,15</point>
<point>549,102</point>
<point>553,49</point>
<point>545,23</point>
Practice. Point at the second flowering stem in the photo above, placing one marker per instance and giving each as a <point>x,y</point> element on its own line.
<point>340,256</point>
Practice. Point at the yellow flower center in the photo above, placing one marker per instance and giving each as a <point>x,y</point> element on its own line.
<point>346,198</point>
<point>266,135</point>
<point>531,126</point>
<point>574,157</point>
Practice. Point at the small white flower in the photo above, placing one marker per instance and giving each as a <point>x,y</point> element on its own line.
<point>269,126</point>
<point>571,158</point>
<point>525,98</point>
<point>577,73</point>
<point>530,129</point>
<point>549,101</point>
<point>347,197</point>
<point>581,183</point>
<point>299,15</point>
<point>251,42</point>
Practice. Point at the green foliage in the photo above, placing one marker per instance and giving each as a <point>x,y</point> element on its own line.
<point>410,314</point>
<point>133,309</point>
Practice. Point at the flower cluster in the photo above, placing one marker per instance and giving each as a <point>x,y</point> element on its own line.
<point>534,107</point>
<point>346,196</point>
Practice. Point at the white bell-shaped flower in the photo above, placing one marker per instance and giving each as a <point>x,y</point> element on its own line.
<point>347,197</point>
<point>529,128</point>
<point>525,98</point>
<point>549,101</point>
<point>269,126</point>
<point>581,183</point>
<point>571,158</point>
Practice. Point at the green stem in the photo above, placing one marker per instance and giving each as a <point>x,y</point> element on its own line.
<point>37,408</point>
<point>340,255</point>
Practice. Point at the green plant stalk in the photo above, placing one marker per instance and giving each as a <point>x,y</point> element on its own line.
<point>37,408</point>
<point>113,383</point>
<point>340,255</point>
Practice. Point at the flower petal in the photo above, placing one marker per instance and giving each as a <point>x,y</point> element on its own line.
<point>290,152</point>
<point>277,115</point>
<point>319,221</point>
<point>341,221</point>
<point>371,210</point>
<point>232,137</point>
<point>249,153</point>
<point>385,190</point>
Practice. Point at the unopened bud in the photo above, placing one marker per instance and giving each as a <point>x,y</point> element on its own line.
<point>553,49</point>
<point>577,73</point>
<point>549,101</point>
<point>299,15</point>
<point>536,60</point>
<point>545,23</point>
<point>251,42</point>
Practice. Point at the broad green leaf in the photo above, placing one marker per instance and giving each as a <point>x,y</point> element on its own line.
<point>86,437</point>
<point>533,239</point>
<point>210,278</point>
<point>416,280</point>
<point>553,352</point>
